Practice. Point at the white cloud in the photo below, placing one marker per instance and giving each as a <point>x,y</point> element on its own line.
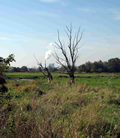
<point>45,13</point>
<point>86,10</point>
<point>6,39</point>
<point>49,1</point>
<point>62,2</point>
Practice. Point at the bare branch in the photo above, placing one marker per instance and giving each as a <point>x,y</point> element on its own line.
<point>41,67</point>
<point>73,49</point>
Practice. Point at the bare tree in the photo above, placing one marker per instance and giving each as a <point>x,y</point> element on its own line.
<point>45,71</point>
<point>69,51</point>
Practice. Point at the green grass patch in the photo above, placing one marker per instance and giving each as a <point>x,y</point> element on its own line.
<point>89,108</point>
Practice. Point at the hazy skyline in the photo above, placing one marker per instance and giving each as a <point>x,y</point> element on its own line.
<point>28,27</point>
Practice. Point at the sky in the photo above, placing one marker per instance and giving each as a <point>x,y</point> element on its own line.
<point>29,27</point>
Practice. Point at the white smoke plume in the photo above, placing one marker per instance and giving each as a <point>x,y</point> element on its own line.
<point>52,45</point>
<point>48,54</point>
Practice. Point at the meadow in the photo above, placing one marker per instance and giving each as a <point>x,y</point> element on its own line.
<point>35,108</point>
<point>93,79</point>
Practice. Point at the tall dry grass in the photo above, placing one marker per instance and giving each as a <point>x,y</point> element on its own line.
<point>39,110</point>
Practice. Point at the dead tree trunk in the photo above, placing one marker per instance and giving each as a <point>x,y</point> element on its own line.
<point>45,71</point>
<point>69,51</point>
<point>49,75</point>
<point>72,77</point>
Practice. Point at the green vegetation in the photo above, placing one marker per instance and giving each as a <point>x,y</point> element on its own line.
<point>34,108</point>
<point>112,65</point>
<point>4,65</point>
<point>94,79</point>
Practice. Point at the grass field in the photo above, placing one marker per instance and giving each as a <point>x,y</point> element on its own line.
<point>33,108</point>
<point>94,79</point>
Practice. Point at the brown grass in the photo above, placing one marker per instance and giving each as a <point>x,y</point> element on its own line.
<point>63,111</point>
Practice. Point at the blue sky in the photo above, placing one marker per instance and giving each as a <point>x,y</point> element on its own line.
<point>27,27</point>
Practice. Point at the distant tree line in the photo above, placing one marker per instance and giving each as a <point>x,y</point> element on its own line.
<point>112,65</point>
<point>22,69</point>
<point>26,69</point>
